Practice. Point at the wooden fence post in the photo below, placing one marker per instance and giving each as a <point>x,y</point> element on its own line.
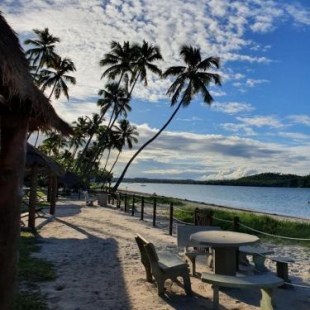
<point>126,202</point>
<point>133,205</point>
<point>142,209</point>
<point>154,212</point>
<point>195,216</point>
<point>118,202</point>
<point>210,218</point>
<point>171,219</point>
<point>236,223</point>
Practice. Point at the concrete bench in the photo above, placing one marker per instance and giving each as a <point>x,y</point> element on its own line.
<point>282,269</point>
<point>162,266</point>
<point>258,255</point>
<point>265,282</point>
<point>188,250</point>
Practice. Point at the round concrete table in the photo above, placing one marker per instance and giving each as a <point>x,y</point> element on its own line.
<point>225,246</point>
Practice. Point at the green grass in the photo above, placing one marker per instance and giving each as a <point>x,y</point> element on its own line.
<point>31,270</point>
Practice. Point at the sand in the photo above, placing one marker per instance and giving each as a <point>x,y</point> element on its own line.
<point>98,266</point>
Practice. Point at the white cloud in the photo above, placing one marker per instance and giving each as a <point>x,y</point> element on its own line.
<point>232,107</point>
<point>252,83</point>
<point>300,119</point>
<point>300,14</point>
<point>261,121</point>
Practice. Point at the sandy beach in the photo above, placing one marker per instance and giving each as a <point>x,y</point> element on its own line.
<point>98,266</point>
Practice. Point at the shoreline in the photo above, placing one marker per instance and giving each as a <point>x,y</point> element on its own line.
<point>232,209</point>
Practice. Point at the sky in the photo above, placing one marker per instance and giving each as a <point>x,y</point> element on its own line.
<point>260,118</point>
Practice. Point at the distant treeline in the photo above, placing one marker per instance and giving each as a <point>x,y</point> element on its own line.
<point>263,179</point>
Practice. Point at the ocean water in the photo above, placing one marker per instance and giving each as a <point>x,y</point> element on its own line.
<point>293,202</point>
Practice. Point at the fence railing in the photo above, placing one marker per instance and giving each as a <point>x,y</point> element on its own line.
<point>155,210</point>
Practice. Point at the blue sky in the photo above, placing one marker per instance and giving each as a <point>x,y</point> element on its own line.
<point>260,119</point>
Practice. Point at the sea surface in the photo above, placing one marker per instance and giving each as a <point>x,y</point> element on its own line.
<point>291,202</point>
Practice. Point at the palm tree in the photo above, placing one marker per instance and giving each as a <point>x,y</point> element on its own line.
<point>146,55</point>
<point>53,143</point>
<point>191,79</point>
<point>119,60</point>
<point>126,134</point>
<point>56,77</point>
<point>42,54</point>
<point>115,97</point>
<point>78,138</point>
<point>91,129</point>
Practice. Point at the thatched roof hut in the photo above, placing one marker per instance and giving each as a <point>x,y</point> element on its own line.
<point>35,157</point>
<point>38,163</point>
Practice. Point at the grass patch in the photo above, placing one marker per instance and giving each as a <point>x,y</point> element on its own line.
<point>31,270</point>
<point>30,301</point>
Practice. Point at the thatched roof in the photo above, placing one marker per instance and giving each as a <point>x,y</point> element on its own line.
<point>18,94</point>
<point>34,156</point>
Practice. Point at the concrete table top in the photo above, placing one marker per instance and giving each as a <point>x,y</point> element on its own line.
<point>222,238</point>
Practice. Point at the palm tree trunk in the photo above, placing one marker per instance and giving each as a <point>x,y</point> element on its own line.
<point>115,187</point>
<point>13,131</point>
<point>79,160</point>
<point>115,161</point>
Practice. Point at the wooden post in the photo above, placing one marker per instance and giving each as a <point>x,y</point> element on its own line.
<point>13,132</point>
<point>171,219</point>
<point>154,212</point>
<point>195,216</point>
<point>236,223</point>
<point>33,198</point>
<point>119,198</point>
<point>126,202</point>
<point>210,218</point>
<point>142,209</point>
<point>53,195</point>
<point>133,205</point>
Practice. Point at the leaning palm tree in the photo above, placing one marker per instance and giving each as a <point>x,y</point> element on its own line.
<point>42,53</point>
<point>56,77</point>
<point>191,80</point>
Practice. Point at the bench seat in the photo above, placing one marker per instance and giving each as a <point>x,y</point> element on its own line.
<point>258,254</point>
<point>282,269</point>
<point>266,282</point>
